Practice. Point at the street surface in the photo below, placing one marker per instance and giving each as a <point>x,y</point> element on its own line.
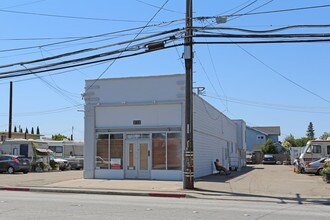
<point>30,205</point>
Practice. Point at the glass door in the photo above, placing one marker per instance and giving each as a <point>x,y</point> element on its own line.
<point>137,160</point>
<point>143,160</point>
<point>130,168</point>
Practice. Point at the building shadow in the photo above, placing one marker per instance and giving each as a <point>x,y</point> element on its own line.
<point>254,197</point>
<point>223,178</point>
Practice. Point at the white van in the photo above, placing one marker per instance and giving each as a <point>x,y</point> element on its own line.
<point>314,150</point>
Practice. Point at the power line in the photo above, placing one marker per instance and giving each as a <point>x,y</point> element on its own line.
<point>90,49</point>
<point>322,35</point>
<point>266,42</point>
<point>252,10</point>
<point>244,7</point>
<point>70,17</point>
<point>280,11</point>
<point>265,12</point>
<point>128,44</point>
<point>284,77</point>
<point>264,31</point>
<point>28,3</point>
<point>207,76</point>
<point>155,6</point>
<point>271,106</point>
<point>89,37</point>
<point>84,64</point>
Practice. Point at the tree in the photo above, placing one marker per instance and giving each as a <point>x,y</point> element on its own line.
<point>59,137</point>
<point>290,140</point>
<point>38,131</point>
<point>20,130</point>
<point>15,129</point>
<point>26,131</point>
<point>301,142</point>
<point>32,130</point>
<point>325,135</point>
<point>269,147</point>
<point>310,131</point>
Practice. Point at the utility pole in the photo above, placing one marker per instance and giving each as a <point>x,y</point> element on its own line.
<point>188,181</point>
<point>10,108</point>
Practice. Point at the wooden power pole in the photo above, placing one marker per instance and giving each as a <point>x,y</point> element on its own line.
<point>188,181</point>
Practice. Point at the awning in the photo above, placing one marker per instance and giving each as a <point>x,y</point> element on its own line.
<point>41,151</point>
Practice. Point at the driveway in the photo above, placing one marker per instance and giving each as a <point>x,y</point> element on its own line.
<point>266,181</point>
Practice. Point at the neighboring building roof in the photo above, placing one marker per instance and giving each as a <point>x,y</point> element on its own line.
<point>251,128</point>
<point>276,130</point>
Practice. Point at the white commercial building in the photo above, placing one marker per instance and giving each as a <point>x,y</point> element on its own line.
<point>134,129</point>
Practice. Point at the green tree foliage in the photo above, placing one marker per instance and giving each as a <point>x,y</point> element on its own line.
<point>325,135</point>
<point>38,131</point>
<point>290,140</point>
<point>26,131</point>
<point>15,129</point>
<point>301,142</point>
<point>269,147</point>
<point>310,131</point>
<point>32,130</point>
<point>59,137</point>
<point>20,130</point>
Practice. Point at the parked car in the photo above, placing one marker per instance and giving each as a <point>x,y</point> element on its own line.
<point>62,163</point>
<point>250,158</point>
<point>76,163</point>
<point>268,159</point>
<point>12,164</point>
<point>315,166</point>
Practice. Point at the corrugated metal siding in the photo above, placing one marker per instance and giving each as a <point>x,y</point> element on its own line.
<point>212,132</point>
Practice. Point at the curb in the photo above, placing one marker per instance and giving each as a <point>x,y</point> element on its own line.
<point>100,192</point>
<point>15,189</point>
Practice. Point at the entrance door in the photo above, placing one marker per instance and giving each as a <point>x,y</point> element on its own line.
<point>137,160</point>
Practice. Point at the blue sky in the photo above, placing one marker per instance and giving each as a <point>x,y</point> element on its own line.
<point>243,81</point>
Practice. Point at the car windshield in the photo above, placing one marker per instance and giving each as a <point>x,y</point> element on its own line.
<point>268,156</point>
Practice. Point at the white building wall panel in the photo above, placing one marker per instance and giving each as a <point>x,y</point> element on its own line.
<point>149,115</point>
<point>213,132</point>
<point>137,89</point>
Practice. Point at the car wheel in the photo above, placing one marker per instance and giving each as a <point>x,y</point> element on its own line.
<point>318,172</point>
<point>11,170</point>
<point>25,171</point>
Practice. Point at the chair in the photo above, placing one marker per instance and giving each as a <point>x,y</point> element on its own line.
<point>221,169</point>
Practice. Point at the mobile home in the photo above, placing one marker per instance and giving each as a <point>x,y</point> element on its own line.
<point>314,150</point>
<point>66,148</point>
<point>22,147</point>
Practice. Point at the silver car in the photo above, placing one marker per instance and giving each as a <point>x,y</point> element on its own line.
<point>315,166</point>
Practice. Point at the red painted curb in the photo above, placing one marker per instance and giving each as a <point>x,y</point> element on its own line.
<point>14,189</point>
<point>174,195</point>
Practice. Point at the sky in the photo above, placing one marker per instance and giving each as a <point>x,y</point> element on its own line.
<point>282,85</point>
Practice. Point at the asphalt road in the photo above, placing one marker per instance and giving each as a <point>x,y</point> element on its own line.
<point>29,205</point>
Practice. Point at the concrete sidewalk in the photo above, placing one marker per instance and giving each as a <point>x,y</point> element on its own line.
<point>254,183</point>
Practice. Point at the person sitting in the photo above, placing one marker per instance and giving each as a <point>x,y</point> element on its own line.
<point>220,168</point>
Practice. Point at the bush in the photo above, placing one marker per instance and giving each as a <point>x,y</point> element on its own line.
<point>269,147</point>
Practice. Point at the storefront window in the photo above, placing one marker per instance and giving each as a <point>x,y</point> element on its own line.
<point>159,151</point>
<point>116,151</point>
<point>174,151</point>
<point>102,152</point>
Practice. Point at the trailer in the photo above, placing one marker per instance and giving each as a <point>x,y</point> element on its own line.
<point>23,147</point>
<point>314,150</point>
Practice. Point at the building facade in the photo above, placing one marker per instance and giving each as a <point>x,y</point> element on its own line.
<point>134,129</point>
